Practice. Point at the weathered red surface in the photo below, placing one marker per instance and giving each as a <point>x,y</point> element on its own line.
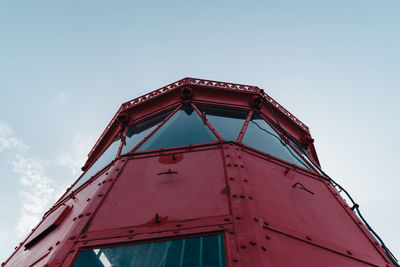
<point>271,212</point>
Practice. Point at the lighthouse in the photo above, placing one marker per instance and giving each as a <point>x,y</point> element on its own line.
<point>202,173</point>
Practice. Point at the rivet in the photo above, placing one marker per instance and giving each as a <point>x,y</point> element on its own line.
<point>80,215</point>
<point>253,243</point>
<point>50,248</point>
<point>266,223</point>
<point>74,219</point>
<point>57,243</point>
<point>176,231</point>
<point>243,246</point>
<point>131,231</point>
<point>106,173</point>
<point>250,197</point>
<point>178,225</point>
<point>264,248</point>
<point>349,252</point>
<point>241,166</point>
<point>231,179</point>
<point>227,156</point>
<point>267,237</point>
<point>88,199</point>
<point>232,232</point>
<point>221,226</point>
<point>99,184</point>
<point>226,219</point>
<point>235,260</point>
<point>229,164</point>
<point>85,242</point>
<point>88,214</point>
<point>84,236</point>
<point>239,157</point>
<point>234,196</point>
<point>256,220</point>
<point>100,195</point>
<point>130,237</point>
<point>246,181</point>
<point>308,238</point>
<point>241,196</point>
<point>72,238</point>
<point>238,218</point>
<point>235,165</point>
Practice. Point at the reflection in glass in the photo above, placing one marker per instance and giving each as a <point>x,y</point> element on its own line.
<point>185,127</point>
<point>204,251</point>
<point>262,137</point>
<point>137,132</point>
<point>107,156</point>
<point>227,122</point>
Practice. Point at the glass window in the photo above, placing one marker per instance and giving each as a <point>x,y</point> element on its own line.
<point>137,132</point>
<point>204,251</point>
<point>227,122</point>
<point>108,155</point>
<point>185,127</point>
<point>262,137</point>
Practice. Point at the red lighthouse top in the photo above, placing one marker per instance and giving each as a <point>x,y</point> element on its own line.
<point>202,173</point>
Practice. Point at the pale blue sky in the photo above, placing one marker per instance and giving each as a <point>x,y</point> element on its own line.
<point>66,66</point>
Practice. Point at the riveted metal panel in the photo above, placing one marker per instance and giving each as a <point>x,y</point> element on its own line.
<point>163,188</point>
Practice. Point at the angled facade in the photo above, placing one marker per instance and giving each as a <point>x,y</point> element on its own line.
<point>202,173</point>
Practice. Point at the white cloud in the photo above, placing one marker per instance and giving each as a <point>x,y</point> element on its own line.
<point>62,97</point>
<point>36,188</point>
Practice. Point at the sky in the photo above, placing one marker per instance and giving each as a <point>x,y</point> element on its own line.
<point>67,66</point>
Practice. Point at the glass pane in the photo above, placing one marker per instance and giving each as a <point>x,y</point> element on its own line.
<point>185,127</point>
<point>137,132</point>
<point>262,137</point>
<point>207,251</point>
<point>228,122</point>
<point>105,158</point>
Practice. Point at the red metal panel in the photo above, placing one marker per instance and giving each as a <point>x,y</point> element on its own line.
<point>284,251</point>
<point>189,186</point>
<point>301,206</point>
